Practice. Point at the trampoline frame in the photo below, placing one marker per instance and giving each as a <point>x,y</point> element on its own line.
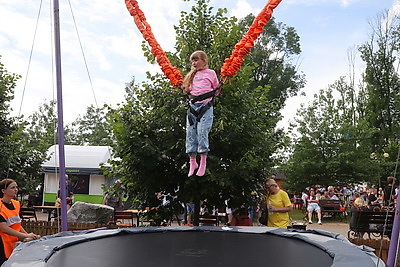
<point>38,252</point>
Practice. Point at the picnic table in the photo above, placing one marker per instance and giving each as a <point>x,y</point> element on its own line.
<point>50,210</point>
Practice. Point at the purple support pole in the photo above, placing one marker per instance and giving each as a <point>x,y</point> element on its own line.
<point>60,128</point>
<point>394,240</point>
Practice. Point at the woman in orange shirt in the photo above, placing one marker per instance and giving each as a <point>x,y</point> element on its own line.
<point>10,222</point>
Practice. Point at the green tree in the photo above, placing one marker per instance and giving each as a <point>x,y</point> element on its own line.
<point>7,124</point>
<point>93,128</point>
<point>28,160</point>
<point>353,138</point>
<point>18,161</point>
<point>202,29</point>
<point>275,55</point>
<point>37,134</point>
<point>330,148</point>
<point>150,128</point>
<point>41,127</point>
<point>382,103</point>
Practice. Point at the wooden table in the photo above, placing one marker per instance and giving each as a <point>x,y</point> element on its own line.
<point>49,210</point>
<point>136,213</point>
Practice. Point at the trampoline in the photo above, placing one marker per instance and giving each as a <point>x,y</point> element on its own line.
<point>193,246</point>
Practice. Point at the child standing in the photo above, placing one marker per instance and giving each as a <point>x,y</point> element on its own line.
<point>201,83</point>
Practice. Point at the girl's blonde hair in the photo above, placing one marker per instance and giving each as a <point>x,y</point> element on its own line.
<point>189,77</point>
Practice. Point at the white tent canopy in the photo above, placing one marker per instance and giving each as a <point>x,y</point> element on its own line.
<point>83,165</point>
<point>82,158</point>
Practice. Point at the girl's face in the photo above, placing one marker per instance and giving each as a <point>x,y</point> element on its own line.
<point>198,63</point>
<point>11,190</point>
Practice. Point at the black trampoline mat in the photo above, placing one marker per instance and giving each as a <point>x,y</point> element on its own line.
<point>189,248</point>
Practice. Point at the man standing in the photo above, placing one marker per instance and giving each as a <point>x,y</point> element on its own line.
<point>389,192</point>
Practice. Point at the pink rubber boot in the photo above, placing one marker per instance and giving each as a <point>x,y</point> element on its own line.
<point>193,166</point>
<point>203,165</point>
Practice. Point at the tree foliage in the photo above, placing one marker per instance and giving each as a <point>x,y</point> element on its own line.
<point>93,128</point>
<point>7,124</point>
<point>150,127</point>
<point>19,161</point>
<point>382,105</point>
<point>330,149</point>
<point>348,135</point>
<point>42,127</point>
<point>275,55</point>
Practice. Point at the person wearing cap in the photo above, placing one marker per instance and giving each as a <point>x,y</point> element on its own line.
<point>278,205</point>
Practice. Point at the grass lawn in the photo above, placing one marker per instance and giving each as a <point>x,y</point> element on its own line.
<point>299,215</point>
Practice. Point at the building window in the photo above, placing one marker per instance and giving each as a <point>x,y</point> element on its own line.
<point>80,183</point>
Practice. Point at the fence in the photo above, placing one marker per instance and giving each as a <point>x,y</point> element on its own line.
<point>43,228</point>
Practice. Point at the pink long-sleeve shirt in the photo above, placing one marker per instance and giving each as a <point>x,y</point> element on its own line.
<point>204,81</point>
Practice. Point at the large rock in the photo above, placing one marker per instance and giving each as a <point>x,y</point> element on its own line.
<point>90,213</point>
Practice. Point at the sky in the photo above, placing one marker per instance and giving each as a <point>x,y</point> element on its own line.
<point>110,44</point>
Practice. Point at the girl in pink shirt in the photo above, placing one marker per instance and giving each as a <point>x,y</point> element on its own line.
<point>201,83</point>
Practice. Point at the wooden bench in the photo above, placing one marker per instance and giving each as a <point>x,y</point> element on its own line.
<point>211,220</point>
<point>379,223</point>
<point>332,207</point>
<point>28,214</point>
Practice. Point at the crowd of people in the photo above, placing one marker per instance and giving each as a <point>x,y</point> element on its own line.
<point>277,203</point>
<point>365,197</point>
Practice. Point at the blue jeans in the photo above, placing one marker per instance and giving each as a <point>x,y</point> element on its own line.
<point>197,134</point>
<point>189,208</point>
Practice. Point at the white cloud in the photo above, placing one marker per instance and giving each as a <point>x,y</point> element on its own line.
<point>112,43</point>
<point>344,3</point>
<point>242,9</point>
<point>394,11</point>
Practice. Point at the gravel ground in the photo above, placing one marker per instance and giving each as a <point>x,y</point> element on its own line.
<point>334,227</point>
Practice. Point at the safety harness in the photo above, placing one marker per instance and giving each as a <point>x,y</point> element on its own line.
<point>196,98</point>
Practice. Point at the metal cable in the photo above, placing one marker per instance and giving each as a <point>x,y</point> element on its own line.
<point>83,53</point>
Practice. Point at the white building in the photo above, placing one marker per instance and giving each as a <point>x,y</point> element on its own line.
<point>82,164</point>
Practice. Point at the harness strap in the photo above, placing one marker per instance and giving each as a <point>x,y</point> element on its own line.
<point>196,98</point>
<point>199,114</point>
<point>193,99</point>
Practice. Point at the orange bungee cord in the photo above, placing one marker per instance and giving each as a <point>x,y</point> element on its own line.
<point>233,63</point>
<point>172,73</point>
